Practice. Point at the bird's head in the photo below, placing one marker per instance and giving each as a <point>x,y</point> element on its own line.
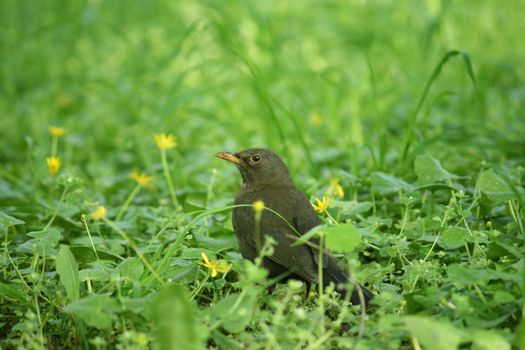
<point>259,167</point>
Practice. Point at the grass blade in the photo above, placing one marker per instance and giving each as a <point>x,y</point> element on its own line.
<point>10,292</point>
<point>67,269</point>
<point>435,74</point>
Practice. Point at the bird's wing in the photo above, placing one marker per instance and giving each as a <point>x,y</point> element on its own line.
<point>306,221</point>
<point>298,259</point>
<point>302,259</point>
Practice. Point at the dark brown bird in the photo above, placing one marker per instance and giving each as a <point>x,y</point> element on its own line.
<point>265,177</point>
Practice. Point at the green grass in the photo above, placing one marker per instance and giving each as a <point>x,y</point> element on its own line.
<point>416,108</point>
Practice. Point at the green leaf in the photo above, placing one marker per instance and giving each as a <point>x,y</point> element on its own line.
<point>8,220</point>
<point>435,187</point>
<point>44,242</point>
<point>10,292</point>
<point>175,316</point>
<point>489,340</point>
<point>453,237</point>
<point>476,321</point>
<point>225,342</point>
<point>96,310</point>
<point>130,269</point>
<point>351,208</point>
<point>139,305</point>
<point>502,296</point>
<point>384,184</point>
<point>96,272</point>
<point>496,188</point>
<point>361,207</point>
<point>234,312</point>
<point>464,276</point>
<point>216,244</point>
<point>314,232</point>
<point>433,334</point>
<point>85,254</point>
<point>342,238</point>
<point>67,269</point>
<point>51,235</point>
<point>429,170</point>
<point>520,332</point>
<point>515,277</point>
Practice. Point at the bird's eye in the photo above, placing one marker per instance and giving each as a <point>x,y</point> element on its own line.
<point>256,158</point>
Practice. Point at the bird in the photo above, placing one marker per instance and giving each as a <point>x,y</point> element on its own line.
<point>287,213</point>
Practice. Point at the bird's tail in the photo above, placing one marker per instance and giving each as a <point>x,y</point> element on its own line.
<point>339,277</point>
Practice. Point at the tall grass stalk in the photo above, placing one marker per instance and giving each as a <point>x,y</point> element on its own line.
<point>413,119</point>
<point>169,181</point>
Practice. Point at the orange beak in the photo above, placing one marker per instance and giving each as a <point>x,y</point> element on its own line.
<point>230,157</point>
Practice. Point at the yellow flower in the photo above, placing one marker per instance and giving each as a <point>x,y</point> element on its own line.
<point>142,179</point>
<point>164,141</point>
<point>142,339</point>
<point>215,266</point>
<point>336,189</point>
<point>258,206</point>
<point>99,213</point>
<point>321,205</point>
<point>53,164</point>
<point>55,131</point>
<point>315,119</point>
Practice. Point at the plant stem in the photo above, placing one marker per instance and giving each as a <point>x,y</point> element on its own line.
<point>62,196</point>
<point>316,344</point>
<point>320,276</point>
<point>83,219</point>
<point>257,217</point>
<point>514,212</point>
<point>54,146</point>
<point>199,287</point>
<point>6,239</point>
<point>135,249</point>
<point>168,179</point>
<point>40,325</point>
<point>128,201</point>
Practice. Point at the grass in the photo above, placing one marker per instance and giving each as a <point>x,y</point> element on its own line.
<point>415,108</point>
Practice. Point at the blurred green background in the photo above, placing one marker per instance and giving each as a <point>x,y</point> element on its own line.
<point>312,80</point>
<point>351,90</point>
